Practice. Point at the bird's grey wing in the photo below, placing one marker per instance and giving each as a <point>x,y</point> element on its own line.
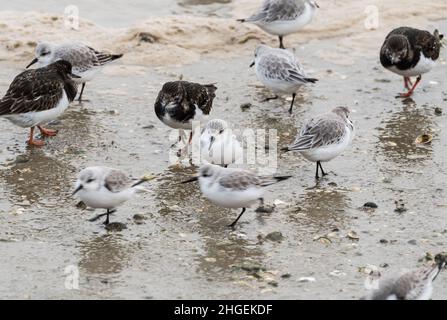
<point>32,90</point>
<point>411,285</point>
<point>116,181</point>
<point>278,10</point>
<point>319,132</point>
<point>81,57</point>
<point>239,180</point>
<point>279,68</point>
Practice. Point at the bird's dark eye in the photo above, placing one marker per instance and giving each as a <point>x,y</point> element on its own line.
<point>45,53</point>
<point>221,131</point>
<point>90,180</point>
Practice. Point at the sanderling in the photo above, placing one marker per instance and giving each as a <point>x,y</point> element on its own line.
<point>218,145</point>
<point>36,97</point>
<point>283,17</point>
<point>324,137</point>
<point>413,285</point>
<point>179,103</point>
<point>85,60</point>
<point>410,53</point>
<point>233,188</point>
<point>280,71</point>
<point>106,188</point>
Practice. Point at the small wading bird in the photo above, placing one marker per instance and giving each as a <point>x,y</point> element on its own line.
<point>179,103</point>
<point>324,137</point>
<point>233,188</point>
<point>410,53</point>
<point>85,60</point>
<point>413,285</point>
<point>106,188</point>
<point>218,145</point>
<point>283,17</point>
<point>280,71</point>
<point>36,97</point>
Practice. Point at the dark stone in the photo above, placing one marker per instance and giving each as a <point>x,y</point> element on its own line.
<point>370,205</point>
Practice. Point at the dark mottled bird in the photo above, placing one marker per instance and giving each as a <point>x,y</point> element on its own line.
<point>413,285</point>
<point>85,60</point>
<point>38,96</point>
<point>410,53</point>
<point>179,103</point>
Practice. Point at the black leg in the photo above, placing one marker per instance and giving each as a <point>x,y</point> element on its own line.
<point>272,98</point>
<point>322,171</point>
<point>179,139</point>
<point>82,91</point>
<point>281,44</point>
<point>293,101</point>
<point>102,215</point>
<point>316,173</point>
<point>237,219</point>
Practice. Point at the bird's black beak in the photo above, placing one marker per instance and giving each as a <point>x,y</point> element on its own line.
<point>211,142</point>
<point>77,190</point>
<point>191,180</point>
<point>285,149</point>
<point>252,64</point>
<point>32,62</point>
<point>74,76</point>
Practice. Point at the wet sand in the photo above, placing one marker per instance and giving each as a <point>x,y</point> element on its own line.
<point>183,250</point>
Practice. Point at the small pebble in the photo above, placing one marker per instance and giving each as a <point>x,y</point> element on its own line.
<point>371,205</point>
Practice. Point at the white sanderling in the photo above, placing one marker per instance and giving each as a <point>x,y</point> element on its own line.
<point>324,137</point>
<point>283,17</point>
<point>36,97</point>
<point>280,71</point>
<point>410,52</point>
<point>233,188</point>
<point>179,103</point>
<point>218,145</point>
<point>413,285</point>
<point>85,60</point>
<point>106,188</point>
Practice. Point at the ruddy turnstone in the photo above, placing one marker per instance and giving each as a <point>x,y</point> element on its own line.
<point>324,137</point>
<point>283,17</point>
<point>233,188</point>
<point>280,71</point>
<point>410,53</point>
<point>85,60</point>
<point>36,97</point>
<point>218,145</point>
<point>179,103</point>
<point>106,188</point>
<point>413,285</point>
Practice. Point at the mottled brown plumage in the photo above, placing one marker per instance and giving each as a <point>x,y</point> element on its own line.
<point>38,89</point>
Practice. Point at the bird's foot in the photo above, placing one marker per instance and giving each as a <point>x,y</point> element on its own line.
<point>47,132</point>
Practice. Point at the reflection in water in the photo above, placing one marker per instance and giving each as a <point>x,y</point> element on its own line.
<point>398,133</point>
<point>41,174</point>
<point>184,204</point>
<point>321,209</point>
<point>36,177</point>
<point>103,255</point>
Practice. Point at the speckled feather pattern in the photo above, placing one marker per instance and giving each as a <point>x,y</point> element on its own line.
<point>278,10</point>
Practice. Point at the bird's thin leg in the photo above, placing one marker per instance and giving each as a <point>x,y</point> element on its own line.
<point>102,215</point>
<point>32,141</point>
<point>410,93</point>
<point>408,83</point>
<point>179,139</point>
<point>316,172</point>
<point>190,138</point>
<point>281,44</point>
<point>82,91</point>
<point>107,219</point>
<point>322,171</point>
<point>237,219</point>
<point>293,100</point>
<point>271,98</point>
<point>47,132</point>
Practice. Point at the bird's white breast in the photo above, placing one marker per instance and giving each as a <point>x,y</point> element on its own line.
<point>423,66</point>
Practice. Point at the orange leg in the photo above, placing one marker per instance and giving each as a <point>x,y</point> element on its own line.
<point>408,83</point>
<point>34,142</point>
<point>47,132</point>
<point>410,93</point>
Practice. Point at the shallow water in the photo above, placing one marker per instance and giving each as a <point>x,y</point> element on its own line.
<point>183,249</point>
